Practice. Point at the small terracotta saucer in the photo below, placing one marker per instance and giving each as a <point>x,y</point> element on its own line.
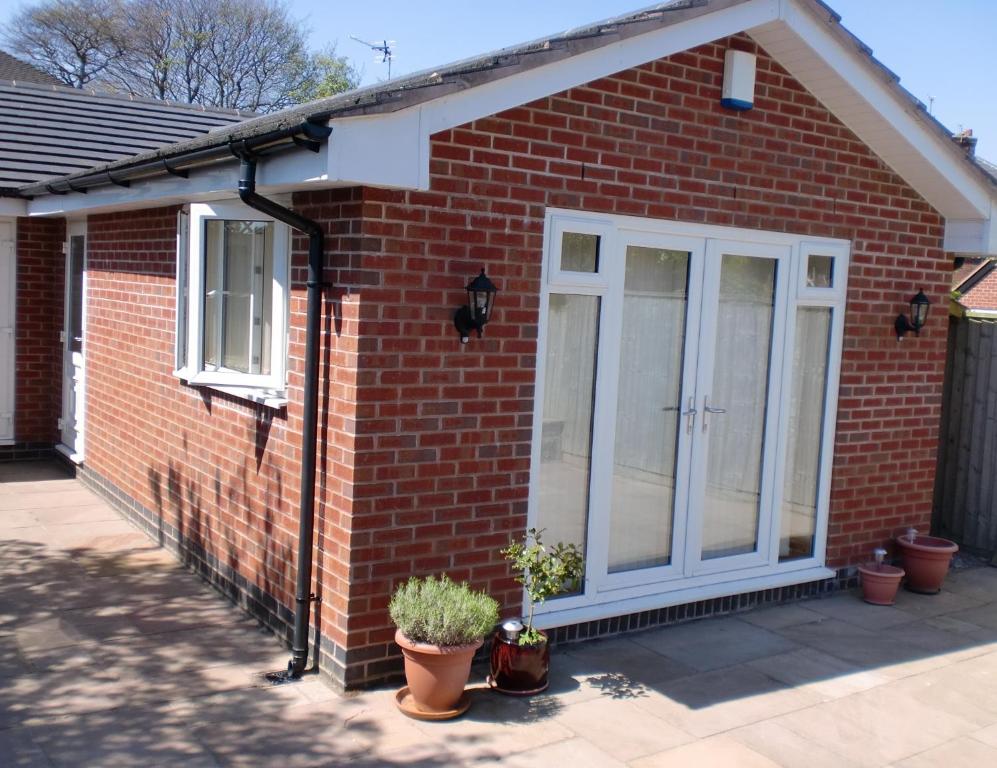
<point>407,705</point>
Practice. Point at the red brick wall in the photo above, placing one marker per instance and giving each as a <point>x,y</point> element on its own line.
<point>41,270</point>
<point>443,433</point>
<point>983,295</point>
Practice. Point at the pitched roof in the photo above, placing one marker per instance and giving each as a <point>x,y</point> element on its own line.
<point>48,131</point>
<point>14,69</point>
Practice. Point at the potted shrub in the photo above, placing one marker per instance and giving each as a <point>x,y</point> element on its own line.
<point>926,560</point>
<point>520,658</point>
<point>440,626</point>
<point>880,581</point>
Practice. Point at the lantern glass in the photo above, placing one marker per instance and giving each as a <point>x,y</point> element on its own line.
<point>919,305</point>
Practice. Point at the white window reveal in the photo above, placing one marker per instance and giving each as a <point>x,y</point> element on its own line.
<point>232,285</point>
<point>686,395</point>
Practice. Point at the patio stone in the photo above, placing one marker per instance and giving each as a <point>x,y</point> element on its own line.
<point>961,751</point>
<point>621,728</point>
<point>786,748</point>
<point>849,607</point>
<point>717,752</point>
<point>827,676</point>
<point>717,701</point>
<point>714,643</point>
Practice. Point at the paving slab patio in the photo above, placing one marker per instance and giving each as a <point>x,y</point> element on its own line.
<point>112,655</point>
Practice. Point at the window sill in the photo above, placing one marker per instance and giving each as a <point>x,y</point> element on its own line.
<point>268,398</point>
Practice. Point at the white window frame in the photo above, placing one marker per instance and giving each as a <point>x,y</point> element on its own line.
<point>606,594</point>
<point>269,389</point>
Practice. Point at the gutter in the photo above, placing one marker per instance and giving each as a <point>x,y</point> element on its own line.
<point>307,134</point>
<point>303,595</point>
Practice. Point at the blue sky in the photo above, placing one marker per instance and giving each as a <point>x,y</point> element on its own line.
<point>940,48</point>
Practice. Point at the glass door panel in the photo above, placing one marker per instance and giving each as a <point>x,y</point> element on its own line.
<point>649,408</point>
<point>566,431</point>
<point>734,411</point>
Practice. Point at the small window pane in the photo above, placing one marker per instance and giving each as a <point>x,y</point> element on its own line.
<point>579,253</point>
<point>238,295</point>
<point>566,434</point>
<point>820,271</point>
<point>806,423</point>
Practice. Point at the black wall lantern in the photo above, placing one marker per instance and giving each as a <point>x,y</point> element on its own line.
<point>918,314</point>
<point>478,310</point>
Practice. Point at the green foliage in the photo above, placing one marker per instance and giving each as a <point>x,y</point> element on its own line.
<point>545,571</point>
<point>441,612</point>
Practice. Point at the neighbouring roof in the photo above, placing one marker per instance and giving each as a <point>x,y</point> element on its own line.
<point>12,68</point>
<point>966,270</point>
<point>49,131</point>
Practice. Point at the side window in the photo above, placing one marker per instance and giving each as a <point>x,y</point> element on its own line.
<point>232,299</point>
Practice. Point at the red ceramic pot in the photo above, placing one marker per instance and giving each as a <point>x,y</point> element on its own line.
<point>519,670</point>
<point>926,560</point>
<point>880,583</point>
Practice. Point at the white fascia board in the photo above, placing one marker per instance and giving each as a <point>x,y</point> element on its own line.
<point>954,190</point>
<point>279,173</point>
<point>387,150</point>
<point>12,206</point>
<point>970,237</point>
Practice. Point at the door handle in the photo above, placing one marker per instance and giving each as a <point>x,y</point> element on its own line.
<point>707,409</point>
<point>690,415</point>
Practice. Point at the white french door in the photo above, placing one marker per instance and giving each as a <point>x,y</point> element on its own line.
<point>661,417</point>
<point>73,369</point>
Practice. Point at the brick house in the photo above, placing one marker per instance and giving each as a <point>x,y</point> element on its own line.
<point>645,230</point>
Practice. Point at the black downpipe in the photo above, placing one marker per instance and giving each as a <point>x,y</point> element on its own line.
<point>316,255</point>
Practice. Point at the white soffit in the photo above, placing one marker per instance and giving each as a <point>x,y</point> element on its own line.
<point>827,62</point>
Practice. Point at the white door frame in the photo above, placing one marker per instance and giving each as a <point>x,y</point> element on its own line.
<point>8,329</point>
<point>72,422</point>
<point>687,578</point>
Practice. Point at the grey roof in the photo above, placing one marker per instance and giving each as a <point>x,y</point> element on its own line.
<point>15,69</point>
<point>429,84</point>
<point>49,131</point>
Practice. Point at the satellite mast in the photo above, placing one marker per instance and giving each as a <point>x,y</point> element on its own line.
<point>384,51</point>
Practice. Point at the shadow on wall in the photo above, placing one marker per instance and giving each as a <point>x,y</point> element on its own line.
<point>227,530</point>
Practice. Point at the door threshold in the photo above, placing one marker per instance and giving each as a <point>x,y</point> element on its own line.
<point>69,453</point>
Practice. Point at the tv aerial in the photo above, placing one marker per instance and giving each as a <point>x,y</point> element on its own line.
<point>383,51</point>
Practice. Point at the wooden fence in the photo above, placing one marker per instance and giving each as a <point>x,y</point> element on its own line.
<point>965,504</point>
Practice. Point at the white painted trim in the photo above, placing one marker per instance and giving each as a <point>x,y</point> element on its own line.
<point>12,206</point>
<point>75,228</point>
<point>982,314</point>
<point>266,389</point>
<point>8,368</point>
<point>74,456</point>
<point>556,614</point>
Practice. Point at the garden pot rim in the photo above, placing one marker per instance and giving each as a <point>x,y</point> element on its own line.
<point>928,544</point>
<point>872,569</point>
<point>406,643</point>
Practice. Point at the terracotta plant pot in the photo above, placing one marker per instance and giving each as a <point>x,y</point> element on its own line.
<point>926,560</point>
<point>880,583</point>
<point>519,670</point>
<point>436,675</point>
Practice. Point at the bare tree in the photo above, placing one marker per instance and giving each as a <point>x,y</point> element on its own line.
<point>75,41</point>
<point>240,54</point>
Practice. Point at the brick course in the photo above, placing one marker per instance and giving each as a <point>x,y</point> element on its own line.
<point>424,455</point>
